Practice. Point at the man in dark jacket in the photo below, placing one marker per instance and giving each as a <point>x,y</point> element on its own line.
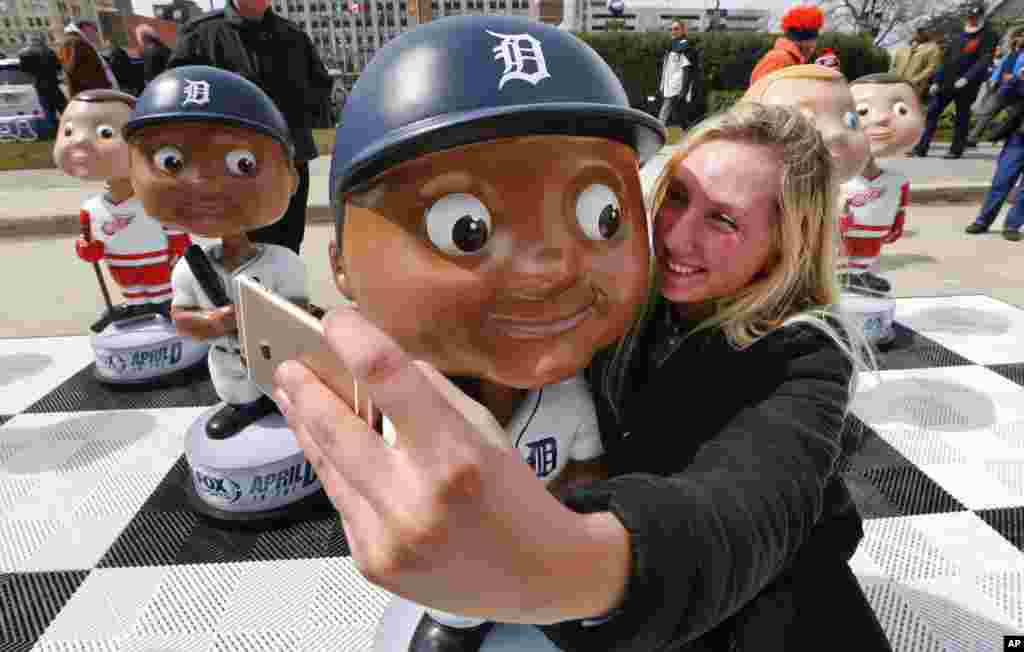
<point>155,54</point>
<point>42,63</point>
<point>128,74</point>
<point>964,68</point>
<point>249,39</point>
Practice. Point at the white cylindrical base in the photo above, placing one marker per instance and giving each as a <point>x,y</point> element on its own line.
<point>259,469</point>
<point>144,349</point>
<point>874,316</point>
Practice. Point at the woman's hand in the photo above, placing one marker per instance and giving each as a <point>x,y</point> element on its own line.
<point>449,516</point>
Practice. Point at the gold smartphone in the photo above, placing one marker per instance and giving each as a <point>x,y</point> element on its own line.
<point>272,329</point>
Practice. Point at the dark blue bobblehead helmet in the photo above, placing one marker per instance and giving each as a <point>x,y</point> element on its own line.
<point>203,93</point>
<point>468,79</point>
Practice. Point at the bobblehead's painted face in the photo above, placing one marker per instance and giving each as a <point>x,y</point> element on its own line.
<point>714,232</point>
<point>89,144</point>
<point>890,115</point>
<point>502,260</point>
<point>209,179</point>
<point>830,105</point>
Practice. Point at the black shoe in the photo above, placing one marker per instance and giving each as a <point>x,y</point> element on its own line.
<point>876,283</point>
<point>114,313</point>
<point>232,419</point>
<point>432,636</point>
<point>971,144</point>
<point>1013,235</point>
<point>920,153</point>
<point>953,155</point>
<point>974,228</point>
<point>859,284</point>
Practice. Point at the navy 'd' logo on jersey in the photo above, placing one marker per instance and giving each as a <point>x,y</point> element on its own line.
<point>543,457</point>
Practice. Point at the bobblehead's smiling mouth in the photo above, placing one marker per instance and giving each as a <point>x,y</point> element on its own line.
<point>879,133</point>
<point>541,326</point>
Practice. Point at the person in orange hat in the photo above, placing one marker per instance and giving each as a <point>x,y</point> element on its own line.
<point>801,25</point>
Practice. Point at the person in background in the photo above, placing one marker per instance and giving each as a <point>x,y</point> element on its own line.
<point>128,75</point>
<point>155,53</point>
<point>801,25</point>
<point>1009,168</point>
<point>249,39</point>
<point>918,62</point>
<point>828,58</point>
<point>991,99</point>
<point>678,78</point>
<point>42,63</point>
<point>85,69</point>
<point>964,68</point>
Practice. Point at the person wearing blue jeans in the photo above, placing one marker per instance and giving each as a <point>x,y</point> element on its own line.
<point>964,68</point>
<point>1008,171</point>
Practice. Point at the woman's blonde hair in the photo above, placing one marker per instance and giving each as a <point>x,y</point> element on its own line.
<point>800,285</point>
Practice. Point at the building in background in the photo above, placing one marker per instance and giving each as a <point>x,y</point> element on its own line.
<point>348,32</point>
<point>20,19</point>
<point>657,15</point>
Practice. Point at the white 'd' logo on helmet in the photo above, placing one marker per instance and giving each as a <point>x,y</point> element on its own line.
<point>196,92</point>
<point>518,51</point>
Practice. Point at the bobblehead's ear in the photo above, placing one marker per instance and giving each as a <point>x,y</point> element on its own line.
<point>337,264</point>
<point>294,174</point>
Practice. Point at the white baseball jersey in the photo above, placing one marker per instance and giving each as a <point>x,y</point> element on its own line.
<point>872,205</point>
<point>130,237</point>
<point>277,268</point>
<point>555,424</point>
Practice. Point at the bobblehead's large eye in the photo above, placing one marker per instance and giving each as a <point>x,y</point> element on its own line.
<point>851,120</point>
<point>241,163</point>
<point>68,129</point>
<point>598,212</point>
<point>458,224</point>
<point>862,109</point>
<point>105,132</point>
<point>169,159</point>
<point>901,108</point>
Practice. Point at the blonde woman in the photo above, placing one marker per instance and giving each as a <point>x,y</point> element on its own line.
<point>723,524</point>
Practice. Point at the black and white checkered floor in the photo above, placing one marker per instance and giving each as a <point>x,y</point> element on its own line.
<point>99,552</point>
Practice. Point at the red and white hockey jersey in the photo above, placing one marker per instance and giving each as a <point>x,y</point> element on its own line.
<point>130,237</point>
<point>871,205</point>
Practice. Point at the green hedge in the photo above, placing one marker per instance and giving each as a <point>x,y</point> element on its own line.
<point>728,58</point>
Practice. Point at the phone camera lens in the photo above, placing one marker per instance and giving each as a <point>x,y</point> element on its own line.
<point>265,351</point>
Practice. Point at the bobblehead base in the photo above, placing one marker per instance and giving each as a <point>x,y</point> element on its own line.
<point>144,350</point>
<point>401,617</point>
<point>258,475</point>
<point>873,315</point>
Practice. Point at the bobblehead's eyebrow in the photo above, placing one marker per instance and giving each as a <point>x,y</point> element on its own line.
<point>447,181</point>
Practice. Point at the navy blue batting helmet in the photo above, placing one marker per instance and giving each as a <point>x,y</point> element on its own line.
<point>469,79</point>
<point>203,93</point>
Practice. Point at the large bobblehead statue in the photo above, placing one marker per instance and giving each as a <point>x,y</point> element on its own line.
<point>875,201</point>
<point>492,222</point>
<point>211,155</point>
<point>823,94</point>
<point>137,249</point>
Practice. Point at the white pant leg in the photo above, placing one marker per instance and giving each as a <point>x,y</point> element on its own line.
<point>231,378</point>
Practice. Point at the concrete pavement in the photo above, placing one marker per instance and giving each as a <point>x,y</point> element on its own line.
<point>46,202</point>
<point>47,291</point>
